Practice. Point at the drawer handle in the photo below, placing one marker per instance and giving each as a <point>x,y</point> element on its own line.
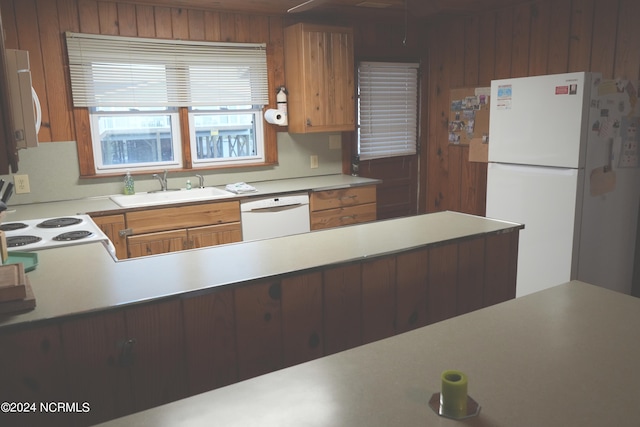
<point>342,218</point>
<point>353,196</point>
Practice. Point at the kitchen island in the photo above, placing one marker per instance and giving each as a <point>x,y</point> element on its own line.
<point>562,357</point>
<point>128,335</point>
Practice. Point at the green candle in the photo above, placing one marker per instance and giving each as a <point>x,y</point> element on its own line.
<point>453,397</point>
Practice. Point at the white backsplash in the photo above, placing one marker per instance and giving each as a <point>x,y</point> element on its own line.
<point>53,170</point>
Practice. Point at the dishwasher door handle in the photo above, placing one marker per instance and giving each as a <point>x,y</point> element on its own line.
<point>276,208</point>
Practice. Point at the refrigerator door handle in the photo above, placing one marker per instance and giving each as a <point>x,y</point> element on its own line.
<point>537,170</point>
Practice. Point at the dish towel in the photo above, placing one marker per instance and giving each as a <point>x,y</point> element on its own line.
<point>240,187</point>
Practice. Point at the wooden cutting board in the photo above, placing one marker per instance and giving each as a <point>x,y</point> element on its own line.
<point>27,303</point>
<point>12,282</point>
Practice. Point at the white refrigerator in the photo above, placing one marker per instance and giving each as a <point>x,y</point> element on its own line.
<point>563,161</point>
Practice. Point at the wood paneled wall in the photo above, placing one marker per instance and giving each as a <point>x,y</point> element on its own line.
<point>540,37</point>
<point>39,26</point>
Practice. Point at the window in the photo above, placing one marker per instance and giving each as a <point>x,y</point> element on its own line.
<point>225,134</point>
<point>387,109</point>
<point>140,139</point>
<point>135,89</point>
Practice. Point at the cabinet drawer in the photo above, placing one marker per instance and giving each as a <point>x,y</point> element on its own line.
<point>331,199</point>
<point>183,217</point>
<point>156,243</point>
<point>343,216</point>
<point>212,235</point>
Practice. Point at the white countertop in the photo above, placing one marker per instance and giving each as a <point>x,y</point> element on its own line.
<point>84,278</point>
<point>265,188</point>
<point>566,356</point>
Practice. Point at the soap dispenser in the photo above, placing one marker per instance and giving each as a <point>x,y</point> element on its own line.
<point>128,184</point>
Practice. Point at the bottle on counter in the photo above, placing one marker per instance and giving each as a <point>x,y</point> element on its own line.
<point>128,184</point>
<point>355,165</point>
<point>188,184</point>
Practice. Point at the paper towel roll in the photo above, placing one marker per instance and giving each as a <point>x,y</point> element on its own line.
<point>453,398</point>
<point>275,117</point>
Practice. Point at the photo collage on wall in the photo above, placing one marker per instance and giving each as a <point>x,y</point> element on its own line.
<point>469,115</point>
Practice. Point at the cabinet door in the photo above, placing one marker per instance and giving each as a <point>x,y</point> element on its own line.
<point>501,267</point>
<point>302,317</point>
<point>259,328</point>
<point>32,370</point>
<point>343,216</point>
<point>158,373</point>
<point>179,217</point>
<point>342,289</point>
<point>443,282</point>
<point>156,243</point>
<point>210,331</point>
<point>320,78</point>
<point>97,359</point>
<point>471,277</point>
<point>213,235</point>
<point>378,299</point>
<point>411,283</point>
<point>331,199</point>
<point>111,225</point>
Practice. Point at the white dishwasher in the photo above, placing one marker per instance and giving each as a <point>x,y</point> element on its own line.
<point>275,216</point>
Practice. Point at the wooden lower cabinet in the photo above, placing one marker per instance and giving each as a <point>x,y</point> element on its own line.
<point>177,240</point>
<point>111,225</point>
<point>212,235</point>
<point>158,369</point>
<point>342,307</point>
<point>471,275</point>
<point>346,206</point>
<point>378,299</point>
<point>32,370</point>
<point>156,243</point>
<point>501,263</point>
<point>302,318</point>
<point>130,359</point>
<point>442,295</point>
<point>258,318</point>
<point>210,341</point>
<point>97,358</point>
<point>411,290</point>
<point>170,229</point>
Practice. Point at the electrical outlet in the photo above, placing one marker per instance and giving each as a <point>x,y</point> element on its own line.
<point>314,161</point>
<point>335,142</point>
<point>21,183</point>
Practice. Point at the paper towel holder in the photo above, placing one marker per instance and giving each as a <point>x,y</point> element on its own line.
<point>473,408</point>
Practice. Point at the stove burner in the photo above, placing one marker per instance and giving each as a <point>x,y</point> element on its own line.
<point>12,226</point>
<point>73,235</point>
<point>13,241</point>
<point>59,222</point>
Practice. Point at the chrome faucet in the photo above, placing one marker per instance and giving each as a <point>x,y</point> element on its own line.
<point>162,179</point>
<point>200,181</point>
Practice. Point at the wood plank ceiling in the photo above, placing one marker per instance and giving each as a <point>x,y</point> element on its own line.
<point>417,8</point>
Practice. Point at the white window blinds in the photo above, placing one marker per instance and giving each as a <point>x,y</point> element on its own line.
<point>112,71</point>
<point>387,109</point>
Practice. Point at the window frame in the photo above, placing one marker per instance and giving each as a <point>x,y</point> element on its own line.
<point>259,156</point>
<point>396,150</point>
<point>90,167</point>
<point>176,140</point>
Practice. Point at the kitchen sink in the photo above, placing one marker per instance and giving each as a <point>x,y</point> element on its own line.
<point>164,197</point>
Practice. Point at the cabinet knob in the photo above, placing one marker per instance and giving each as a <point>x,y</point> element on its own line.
<point>275,291</point>
<point>413,318</point>
<point>125,358</point>
<point>314,340</point>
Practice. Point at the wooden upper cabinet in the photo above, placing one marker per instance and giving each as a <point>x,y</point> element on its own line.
<point>319,74</point>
